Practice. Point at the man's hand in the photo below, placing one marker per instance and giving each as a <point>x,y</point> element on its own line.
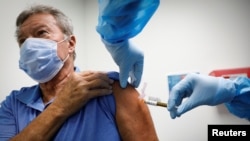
<point>77,89</point>
<point>80,88</point>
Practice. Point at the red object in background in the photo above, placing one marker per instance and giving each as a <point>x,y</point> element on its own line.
<point>231,73</point>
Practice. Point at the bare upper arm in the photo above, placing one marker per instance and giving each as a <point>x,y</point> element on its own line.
<point>132,115</point>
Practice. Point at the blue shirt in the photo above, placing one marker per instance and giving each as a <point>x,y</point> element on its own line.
<point>94,122</point>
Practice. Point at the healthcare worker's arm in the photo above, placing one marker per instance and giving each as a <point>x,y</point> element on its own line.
<point>132,115</point>
<point>118,21</point>
<point>198,89</point>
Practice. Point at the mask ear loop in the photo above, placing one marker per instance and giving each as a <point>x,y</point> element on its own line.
<point>67,57</point>
<point>65,38</point>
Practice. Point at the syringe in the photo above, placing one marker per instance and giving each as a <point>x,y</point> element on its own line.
<point>155,101</point>
<point>152,101</point>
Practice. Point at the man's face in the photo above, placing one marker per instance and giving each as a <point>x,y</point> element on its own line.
<point>43,26</point>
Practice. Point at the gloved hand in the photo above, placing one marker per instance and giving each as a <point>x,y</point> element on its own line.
<point>199,90</point>
<point>118,21</point>
<point>129,59</point>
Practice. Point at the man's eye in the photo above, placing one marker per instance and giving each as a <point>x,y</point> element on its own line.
<point>42,33</point>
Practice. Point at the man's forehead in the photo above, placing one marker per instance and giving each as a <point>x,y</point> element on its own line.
<point>39,19</point>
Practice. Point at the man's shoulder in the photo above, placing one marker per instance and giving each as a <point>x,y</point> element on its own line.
<point>23,94</point>
<point>24,89</point>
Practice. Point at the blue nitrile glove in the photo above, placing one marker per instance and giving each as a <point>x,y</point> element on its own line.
<point>129,59</point>
<point>199,90</point>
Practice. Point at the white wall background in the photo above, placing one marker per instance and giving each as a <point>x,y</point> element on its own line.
<point>182,36</point>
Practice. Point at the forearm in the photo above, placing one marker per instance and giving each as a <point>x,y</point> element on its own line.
<point>43,127</point>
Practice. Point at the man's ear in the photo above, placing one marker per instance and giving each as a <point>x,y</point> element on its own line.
<point>72,43</point>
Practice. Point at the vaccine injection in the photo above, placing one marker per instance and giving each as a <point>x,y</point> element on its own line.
<point>150,100</point>
<point>154,103</point>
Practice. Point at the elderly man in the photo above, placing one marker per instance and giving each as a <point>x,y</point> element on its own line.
<point>67,104</point>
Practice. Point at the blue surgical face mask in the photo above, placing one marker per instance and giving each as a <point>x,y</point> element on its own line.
<point>39,59</point>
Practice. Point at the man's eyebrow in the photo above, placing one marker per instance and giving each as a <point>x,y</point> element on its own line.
<point>35,27</point>
<point>39,26</point>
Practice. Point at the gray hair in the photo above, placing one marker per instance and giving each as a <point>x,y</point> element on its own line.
<point>63,22</point>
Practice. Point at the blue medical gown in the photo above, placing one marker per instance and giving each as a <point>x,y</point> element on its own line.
<point>120,20</point>
<point>94,122</point>
<point>240,105</point>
